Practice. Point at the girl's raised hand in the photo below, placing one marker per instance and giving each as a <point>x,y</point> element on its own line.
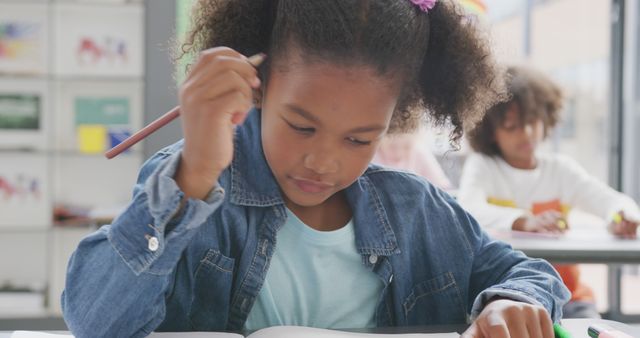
<point>216,96</point>
<point>505,318</point>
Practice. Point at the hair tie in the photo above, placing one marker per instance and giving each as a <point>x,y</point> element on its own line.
<point>424,5</point>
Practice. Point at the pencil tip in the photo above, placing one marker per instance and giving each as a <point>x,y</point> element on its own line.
<point>257,59</point>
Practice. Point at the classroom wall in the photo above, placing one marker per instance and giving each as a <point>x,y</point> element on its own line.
<point>160,93</point>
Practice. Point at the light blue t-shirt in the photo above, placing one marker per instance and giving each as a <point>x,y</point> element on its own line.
<point>316,279</point>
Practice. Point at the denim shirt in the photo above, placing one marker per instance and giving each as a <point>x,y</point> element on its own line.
<point>200,268</point>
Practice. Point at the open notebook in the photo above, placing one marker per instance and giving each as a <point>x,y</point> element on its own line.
<point>271,332</point>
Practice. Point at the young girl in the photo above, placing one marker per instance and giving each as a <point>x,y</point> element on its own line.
<point>508,185</point>
<point>276,217</point>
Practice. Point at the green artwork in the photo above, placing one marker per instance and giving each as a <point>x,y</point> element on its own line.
<point>19,111</point>
<point>100,110</point>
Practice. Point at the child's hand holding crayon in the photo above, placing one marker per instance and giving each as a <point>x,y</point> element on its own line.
<point>509,318</point>
<point>215,97</point>
<point>550,221</point>
<point>624,227</point>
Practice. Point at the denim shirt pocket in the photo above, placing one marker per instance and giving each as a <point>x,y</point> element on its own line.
<point>212,292</point>
<point>436,300</point>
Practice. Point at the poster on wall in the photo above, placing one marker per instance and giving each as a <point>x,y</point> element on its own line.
<point>24,114</point>
<point>99,40</point>
<point>24,190</point>
<point>96,116</point>
<point>23,38</point>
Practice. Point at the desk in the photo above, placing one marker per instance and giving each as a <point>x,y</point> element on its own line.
<point>595,246</point>
<point>577,327</point>
<point>583,244</point>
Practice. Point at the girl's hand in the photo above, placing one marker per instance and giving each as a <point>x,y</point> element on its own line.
<point>549,221</point>
<point>505,318</point>
<point>623,227</point>
<point>215,97</point>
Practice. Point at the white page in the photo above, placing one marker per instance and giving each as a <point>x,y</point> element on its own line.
<point>271,332</point>
<point>194,335</point>
<point>309,332</point>
<point>34,334</point>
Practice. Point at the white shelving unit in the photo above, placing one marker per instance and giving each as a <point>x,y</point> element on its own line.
<point>71,85</point>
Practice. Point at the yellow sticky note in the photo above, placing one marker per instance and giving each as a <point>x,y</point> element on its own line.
<point>92,139</point>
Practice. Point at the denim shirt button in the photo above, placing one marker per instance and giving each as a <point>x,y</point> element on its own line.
<point>373,259</point>
<point>153,243</point>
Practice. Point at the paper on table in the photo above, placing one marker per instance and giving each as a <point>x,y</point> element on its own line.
<point>309,332</point>
<point>271,332</point>
<point>34,334</point>
<point>194,335</point>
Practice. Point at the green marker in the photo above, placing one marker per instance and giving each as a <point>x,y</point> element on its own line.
<point>560,332</point>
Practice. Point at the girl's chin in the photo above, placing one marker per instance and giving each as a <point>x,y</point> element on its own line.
<point>304,199</point>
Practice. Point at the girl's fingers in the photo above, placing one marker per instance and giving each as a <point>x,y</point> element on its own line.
<point>518,328</point>
<point>233,103</point>
<point>630,229</point>
<point>546,325</point>
<point>206,56</point>
<point>624,229</point>
<point>495,327</point>
<point>472,332</point>
<point>225,83</point>
<point>533,324</point>
<point>222,64</point>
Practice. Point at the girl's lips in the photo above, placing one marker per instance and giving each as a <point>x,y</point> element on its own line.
<point>526,146</point>
<point>310,186</point>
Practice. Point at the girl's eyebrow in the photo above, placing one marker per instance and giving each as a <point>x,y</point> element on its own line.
<point>307,115</point>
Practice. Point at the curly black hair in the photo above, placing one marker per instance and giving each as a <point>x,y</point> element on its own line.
<point>537,97</point>
<point>449,75</point>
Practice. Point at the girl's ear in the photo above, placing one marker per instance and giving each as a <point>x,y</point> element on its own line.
<point>257,97</point>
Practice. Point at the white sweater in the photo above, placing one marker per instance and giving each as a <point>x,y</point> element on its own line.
<point>496,194</point>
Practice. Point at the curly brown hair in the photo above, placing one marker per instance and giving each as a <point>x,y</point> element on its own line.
<point>537,97</point>
<point>446,64</point>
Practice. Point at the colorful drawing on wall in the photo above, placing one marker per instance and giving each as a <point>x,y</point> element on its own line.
<point>92,139</point>
<point>102,110</point>
<point>20,111</point>
<point>24,190</point>
<point>117,135</point>
<point>20,187</point>
<point>101,122</point>
<point>24,122</point>
<point>109,50</point>
<point>114,105</point>
<point>23,38</point>
<point>98,39</point>
<point>18,40</point>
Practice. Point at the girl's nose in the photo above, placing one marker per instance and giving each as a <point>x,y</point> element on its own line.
<point>321,162</point>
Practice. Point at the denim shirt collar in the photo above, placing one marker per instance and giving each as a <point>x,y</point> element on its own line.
<point>253,184</point>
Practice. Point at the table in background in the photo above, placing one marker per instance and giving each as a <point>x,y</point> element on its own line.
<point>590,245</point>
<point>595,246</point>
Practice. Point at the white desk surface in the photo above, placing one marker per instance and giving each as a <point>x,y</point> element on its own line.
<point>577,245</point>
<point>577,328</point>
